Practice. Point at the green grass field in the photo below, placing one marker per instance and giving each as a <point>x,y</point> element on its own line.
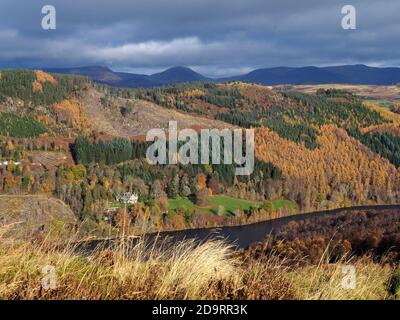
<point>284,204</point>
<point>180,202</point>
<point>230,204</point>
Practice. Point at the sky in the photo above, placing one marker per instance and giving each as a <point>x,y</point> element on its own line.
<point>214,37</point>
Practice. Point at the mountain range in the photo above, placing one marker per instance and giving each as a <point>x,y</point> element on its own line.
<point>346,74</point>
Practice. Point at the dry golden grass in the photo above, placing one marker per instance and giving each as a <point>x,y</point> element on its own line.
<point>324,282</point>
<point>187,270</point>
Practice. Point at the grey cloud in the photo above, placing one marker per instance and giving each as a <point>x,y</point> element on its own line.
<point>215,37</point>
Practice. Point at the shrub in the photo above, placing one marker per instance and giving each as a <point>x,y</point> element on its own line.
<point>202,198</point>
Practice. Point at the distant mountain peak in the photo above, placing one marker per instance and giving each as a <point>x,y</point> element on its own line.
<point>179,68</point>
<point>349,74</point>
<point>96,73</point>
<point>178,74</point>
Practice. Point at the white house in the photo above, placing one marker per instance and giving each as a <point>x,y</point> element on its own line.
<point>5,163</point>
<point>128,198</point>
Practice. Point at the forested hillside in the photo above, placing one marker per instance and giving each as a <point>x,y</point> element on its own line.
<point>35,102</point>
<point>356,232</point>
<point>81,142</point>
<point>37,87</point>
<point>325,144</point>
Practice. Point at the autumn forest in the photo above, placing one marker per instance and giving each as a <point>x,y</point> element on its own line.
<point>313,151</point>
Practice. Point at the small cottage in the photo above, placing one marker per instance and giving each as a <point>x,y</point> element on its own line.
<point>128,198</point>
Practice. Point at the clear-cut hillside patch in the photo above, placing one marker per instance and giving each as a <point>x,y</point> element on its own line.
<point>31,215</point>
<point>143,117</point>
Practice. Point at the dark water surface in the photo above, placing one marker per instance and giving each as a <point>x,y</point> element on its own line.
<point>239,236</point>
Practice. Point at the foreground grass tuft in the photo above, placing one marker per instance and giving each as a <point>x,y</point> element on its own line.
<point>187,270</point>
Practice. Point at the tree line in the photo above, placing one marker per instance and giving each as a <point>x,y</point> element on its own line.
<point>106,152</point>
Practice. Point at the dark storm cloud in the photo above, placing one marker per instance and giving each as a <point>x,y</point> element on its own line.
<point>215,37</point>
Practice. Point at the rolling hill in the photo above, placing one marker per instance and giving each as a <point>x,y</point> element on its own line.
<point>346,74</point>
<point>321,150</point>
<point>177,75</point>
<point>95,73</point>
<point>131,80</point>
<point>283,75</point>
